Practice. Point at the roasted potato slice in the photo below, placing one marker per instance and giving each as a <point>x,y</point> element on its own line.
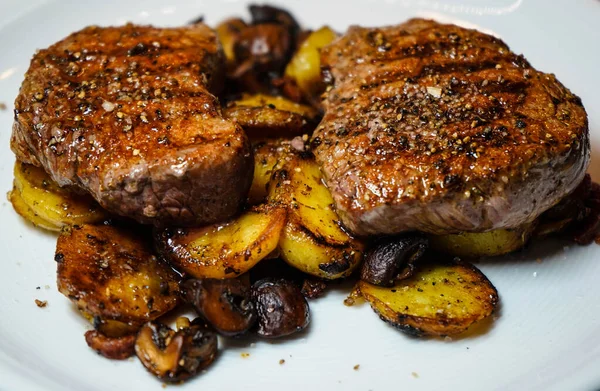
<point>224,250</point>
<point>305,66</point>
<point>266,155</point>
<point>229,32</point>
<point>114,278</point>
<point>313,240</point>
<point>271,116</point>
<point>302,250</point>
<point>437,300</point>
<point>14,196</point>
<point>298,184</point>
<point>47,205</point>
<point>483,244</point>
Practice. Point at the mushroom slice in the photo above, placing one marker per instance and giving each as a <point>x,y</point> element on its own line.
<point>118,348</point>
<point>176,355</point>
<point>393,259</point>
<point>281,307</point>
<point>225,304</point>
<point>265,116</point>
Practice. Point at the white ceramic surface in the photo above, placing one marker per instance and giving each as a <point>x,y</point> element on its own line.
<point>547,333</point>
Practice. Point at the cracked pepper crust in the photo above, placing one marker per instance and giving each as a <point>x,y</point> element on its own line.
<point>441,129</point>
<point>128,114</point>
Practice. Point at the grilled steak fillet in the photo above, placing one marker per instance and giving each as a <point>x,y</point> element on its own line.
<point>128,114</point>
<point>441,129</point>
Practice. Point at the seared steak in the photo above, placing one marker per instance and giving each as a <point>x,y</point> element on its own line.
<point>441,129</point>
<point>128,114</point>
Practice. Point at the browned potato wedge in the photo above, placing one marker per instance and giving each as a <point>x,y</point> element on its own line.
<point>228,32</point>
<point>47,205</point>
<point>437,300</point>
<point>266,155</point>
<point>483,244</point>
<point>271,116</point>
<point>305,65</point>
<point>224,250</point>
<point>313,240</point>
<point>114,279</point>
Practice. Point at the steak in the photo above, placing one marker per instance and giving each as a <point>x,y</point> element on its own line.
<point>129,115</point>
<point>440,129</point>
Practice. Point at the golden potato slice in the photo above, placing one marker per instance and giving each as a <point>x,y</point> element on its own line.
<point>14,196</point>
<point>114,278</point>
<point>271,116</point>
<point>436,300</point>
<point>482,244</point>
<point>228,32</point>
<point>224,250</point>
<point>56,206</point>
<point>313,240</point>
<point>299,185</point>
<point>302,250</point>
<point>266,155</point>
<point>305,65</point>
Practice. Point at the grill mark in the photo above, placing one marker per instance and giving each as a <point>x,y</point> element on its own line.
<point>461,67</point>
<point>115,51</point>
<point>438,70</point>
<point>119,55</point>
<point>169,84</point>
<point>419,50</point>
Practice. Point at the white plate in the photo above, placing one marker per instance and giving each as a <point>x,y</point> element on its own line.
<point>546,337</point>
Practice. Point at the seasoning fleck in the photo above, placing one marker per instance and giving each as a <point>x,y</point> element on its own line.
<point>41,303</point>
<point>2,106</point>
<point>436,92</point>
<point>108,106</point>
<point>356,367</point>
<point>245,355</point>
<point>281,362</point>
<point>415,375</point>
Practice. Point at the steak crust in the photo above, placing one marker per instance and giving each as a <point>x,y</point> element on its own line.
<point>441,129</point>
<point>129,115</point>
